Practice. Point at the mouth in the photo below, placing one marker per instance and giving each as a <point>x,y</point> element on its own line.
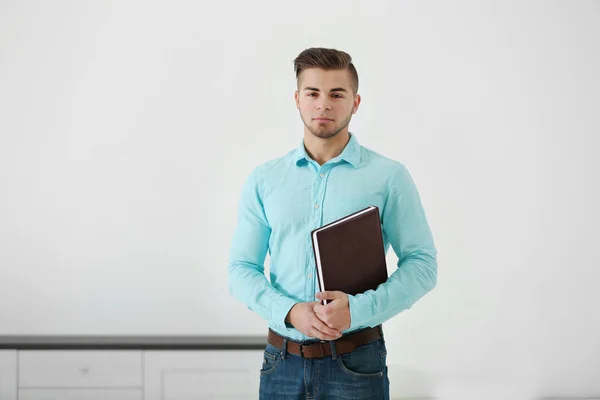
<point>322,119</point>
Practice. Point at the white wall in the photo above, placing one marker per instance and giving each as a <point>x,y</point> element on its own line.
<point>127,129</point>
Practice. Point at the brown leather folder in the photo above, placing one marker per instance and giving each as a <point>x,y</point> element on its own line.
<point>349,253</point>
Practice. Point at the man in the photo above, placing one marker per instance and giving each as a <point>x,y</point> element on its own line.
<point>336,350</point>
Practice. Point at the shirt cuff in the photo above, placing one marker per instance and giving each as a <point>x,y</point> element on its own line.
<point>360,310</point>
<point>280,310</point>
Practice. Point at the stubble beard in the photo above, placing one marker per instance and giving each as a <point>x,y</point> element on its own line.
<point>326,133</point>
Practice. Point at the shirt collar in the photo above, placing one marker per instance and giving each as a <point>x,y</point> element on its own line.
<point>350,154</point>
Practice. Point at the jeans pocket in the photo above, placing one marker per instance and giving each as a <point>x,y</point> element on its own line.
<point>271,357</point>
<point>365,361</point>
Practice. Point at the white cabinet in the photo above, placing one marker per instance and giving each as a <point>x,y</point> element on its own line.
<point>80,375</point>
<point>8,374</point>
<point>80,369</point>
<point>80,394</point>
<point>187,375</point>
<point>129,374</point>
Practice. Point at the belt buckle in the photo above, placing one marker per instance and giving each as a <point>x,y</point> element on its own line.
<point>301,350</point>
<point>321,348</point>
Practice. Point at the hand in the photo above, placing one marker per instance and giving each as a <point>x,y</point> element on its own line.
<point>336,314</point>
<point>304,319</point>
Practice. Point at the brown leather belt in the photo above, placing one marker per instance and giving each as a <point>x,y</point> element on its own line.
<point>343,345</point>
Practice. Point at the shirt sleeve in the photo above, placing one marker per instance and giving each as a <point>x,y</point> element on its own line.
<point>405,226</point>
<point>247,281</point>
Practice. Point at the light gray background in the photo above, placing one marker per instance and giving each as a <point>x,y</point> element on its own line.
<point>128,127</point>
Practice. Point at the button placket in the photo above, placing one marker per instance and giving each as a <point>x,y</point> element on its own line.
<point>320,185</point>
<point>321,182</point>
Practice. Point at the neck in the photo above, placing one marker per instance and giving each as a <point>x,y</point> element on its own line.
<point>323,150</point>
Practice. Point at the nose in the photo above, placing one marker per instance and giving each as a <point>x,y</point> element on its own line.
<point>325,105</point>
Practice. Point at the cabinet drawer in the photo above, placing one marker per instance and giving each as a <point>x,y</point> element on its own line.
<point>208,374</point>
<point>8,374</point>
<point>80,394</point>
<point>73,368</point>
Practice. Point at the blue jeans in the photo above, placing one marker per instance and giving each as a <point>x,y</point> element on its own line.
<point>361,374</point>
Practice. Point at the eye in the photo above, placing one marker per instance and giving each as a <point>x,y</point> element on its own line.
<point>311,94</point>
<point>339,96</point>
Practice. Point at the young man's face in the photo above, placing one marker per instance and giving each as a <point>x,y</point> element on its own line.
<point>326,101</point>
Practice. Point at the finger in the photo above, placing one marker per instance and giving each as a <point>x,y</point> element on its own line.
<point>319,308</point>
<point>336,294</point>
<point>323,316</point>
<point>326,329</point>
<point>330,308</point>
<point>321,335</point>
<point>320,316</point>
<point>326,295</point>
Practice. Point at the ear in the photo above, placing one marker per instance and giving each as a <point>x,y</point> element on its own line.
<point>296,98</point>
<point>356,104</point>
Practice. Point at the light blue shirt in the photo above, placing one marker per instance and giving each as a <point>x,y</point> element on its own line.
<point>284,199</point>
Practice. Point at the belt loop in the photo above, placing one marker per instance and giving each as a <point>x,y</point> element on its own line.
<point>333,352</point>
<point>284,350</point>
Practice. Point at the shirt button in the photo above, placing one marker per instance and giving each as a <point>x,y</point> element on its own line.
<point>309,275</point>
<point>316,206</point>
<point>322,175</point>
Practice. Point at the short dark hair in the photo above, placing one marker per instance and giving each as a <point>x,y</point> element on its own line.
<point>327,59</point>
